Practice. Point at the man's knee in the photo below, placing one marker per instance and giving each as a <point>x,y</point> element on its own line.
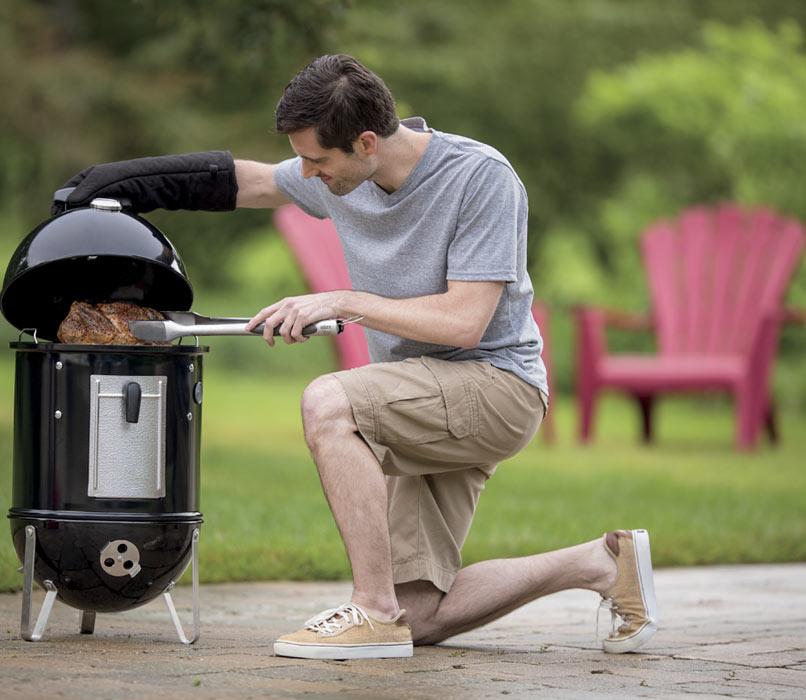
<point>325,405</point>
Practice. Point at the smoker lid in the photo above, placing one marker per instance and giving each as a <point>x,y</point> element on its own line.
<point>95,254</point>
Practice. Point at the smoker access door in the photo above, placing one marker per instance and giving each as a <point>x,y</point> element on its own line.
<point>127,436</point>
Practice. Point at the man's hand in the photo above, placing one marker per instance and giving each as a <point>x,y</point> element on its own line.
<point>292,314</point>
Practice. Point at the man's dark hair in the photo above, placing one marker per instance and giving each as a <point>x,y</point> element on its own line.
<point>341,99</point>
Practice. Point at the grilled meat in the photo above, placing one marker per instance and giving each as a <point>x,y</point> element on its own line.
<point>105,324</point>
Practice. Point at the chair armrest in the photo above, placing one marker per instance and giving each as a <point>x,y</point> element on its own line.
<point>592,346</point>
<point>628,320</point>
<point>592,323</point>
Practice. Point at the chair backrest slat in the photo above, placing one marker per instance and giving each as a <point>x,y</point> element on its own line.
<point>696,258</point>
<point>727,263</point>
<point>662,256</point>
<point>713,273</point>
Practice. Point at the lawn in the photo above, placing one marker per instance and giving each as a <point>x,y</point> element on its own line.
<point>703,502</point>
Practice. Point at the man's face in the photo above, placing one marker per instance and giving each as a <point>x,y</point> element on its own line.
<point>341,172</point>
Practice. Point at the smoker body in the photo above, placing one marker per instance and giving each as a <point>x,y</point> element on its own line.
<point>89,470</point>
<point>105,505</point>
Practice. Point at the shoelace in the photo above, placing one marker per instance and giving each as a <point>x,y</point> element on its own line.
<point>608,604</point>
<point>327,621</point>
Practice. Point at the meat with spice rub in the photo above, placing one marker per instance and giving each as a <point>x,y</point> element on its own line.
<point>105,323</point>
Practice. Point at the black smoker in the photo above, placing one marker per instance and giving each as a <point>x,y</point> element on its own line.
<point>105,506</point>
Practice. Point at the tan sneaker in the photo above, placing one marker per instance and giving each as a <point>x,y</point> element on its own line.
<point>347,632</point>
<point>632,597</point>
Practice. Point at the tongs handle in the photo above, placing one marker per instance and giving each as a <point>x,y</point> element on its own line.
<point>330,326</point>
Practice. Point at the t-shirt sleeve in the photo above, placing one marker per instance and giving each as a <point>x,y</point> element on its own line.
<point>306,194</point>
<point>493,215</point>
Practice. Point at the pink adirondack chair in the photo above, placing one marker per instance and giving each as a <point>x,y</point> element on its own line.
<point>317,248</point>
<point>717,279</point>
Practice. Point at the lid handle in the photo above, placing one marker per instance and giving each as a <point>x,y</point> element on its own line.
<point>106,204</point>
<point>62,195</point>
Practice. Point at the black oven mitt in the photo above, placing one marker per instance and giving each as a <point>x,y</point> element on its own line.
<point>195,181</point>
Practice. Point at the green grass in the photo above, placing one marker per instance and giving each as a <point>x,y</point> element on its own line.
<point>703,502</point>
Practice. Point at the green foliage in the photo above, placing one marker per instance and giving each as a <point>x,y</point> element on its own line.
<point>91,81</point>
<point>724,120</point>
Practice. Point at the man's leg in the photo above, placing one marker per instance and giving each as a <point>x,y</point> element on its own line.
<point>356,491</point>
<point>355,488</point>
<point>370,625</point>
<point>488,590</point>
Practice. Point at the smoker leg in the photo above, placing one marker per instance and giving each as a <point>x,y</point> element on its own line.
<point>194,560</point>
<point>27,593</point>
<point>86,622</point>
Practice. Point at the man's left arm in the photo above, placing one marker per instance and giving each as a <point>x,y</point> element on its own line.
<point>457,318</point>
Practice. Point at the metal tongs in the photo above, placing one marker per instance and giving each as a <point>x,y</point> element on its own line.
<point>187,323</point>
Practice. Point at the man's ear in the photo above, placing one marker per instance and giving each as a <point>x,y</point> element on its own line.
<point>367,143</point>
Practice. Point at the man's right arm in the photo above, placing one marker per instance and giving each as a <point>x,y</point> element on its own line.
<point>257,188</point>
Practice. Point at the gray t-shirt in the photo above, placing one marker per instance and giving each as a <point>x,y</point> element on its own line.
<point>460,215</point>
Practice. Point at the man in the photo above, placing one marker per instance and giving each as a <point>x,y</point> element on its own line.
<point>433,228</point>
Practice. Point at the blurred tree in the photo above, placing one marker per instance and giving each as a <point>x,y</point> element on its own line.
<point>88,81</point>
<point>509,74</point>
<point>726,119</point>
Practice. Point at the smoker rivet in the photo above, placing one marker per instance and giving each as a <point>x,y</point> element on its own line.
<point>190,416</point>
<point>59,365</point>
<point>58,415</point>
<point>191,367</point>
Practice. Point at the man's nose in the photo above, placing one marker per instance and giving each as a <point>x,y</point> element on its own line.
<point>309,170</point>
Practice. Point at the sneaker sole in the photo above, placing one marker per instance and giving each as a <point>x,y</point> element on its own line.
<point>297,650</point>
<point>643,560</point>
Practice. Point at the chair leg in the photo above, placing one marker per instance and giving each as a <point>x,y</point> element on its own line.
<point>587,399</point>
<point>646,404</point>
<point>748,419</point>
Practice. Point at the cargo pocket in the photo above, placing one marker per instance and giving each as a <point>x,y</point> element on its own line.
<point>432,402</point>
<point>460,396</point>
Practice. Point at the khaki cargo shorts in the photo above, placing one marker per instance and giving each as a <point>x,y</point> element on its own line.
<point>438,429</point>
